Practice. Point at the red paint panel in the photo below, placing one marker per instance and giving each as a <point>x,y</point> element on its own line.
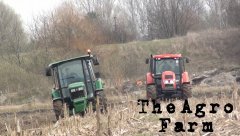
<point>149,78</point>
<point>168,76</point>
<point>185,77</point>
<point>167,56</point>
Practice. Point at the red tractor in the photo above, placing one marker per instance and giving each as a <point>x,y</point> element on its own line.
<point>167,77</point>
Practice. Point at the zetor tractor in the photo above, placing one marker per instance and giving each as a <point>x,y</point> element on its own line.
<point>167,77</point>
<point>76,84</point>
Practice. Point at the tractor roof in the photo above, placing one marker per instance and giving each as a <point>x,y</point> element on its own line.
<point>167,56</point>
<point>55,64</point>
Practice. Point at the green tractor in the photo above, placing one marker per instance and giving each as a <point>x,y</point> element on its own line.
<point>76,84</point>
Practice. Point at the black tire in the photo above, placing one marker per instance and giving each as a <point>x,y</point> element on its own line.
<point>82,114</point>
<point>102,102</point>
<point>151,92</point>
<point>58,109</point>
<point>187,91</point>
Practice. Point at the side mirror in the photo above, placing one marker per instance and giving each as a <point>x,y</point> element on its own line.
<point>97,75</point>
<point>187,60</point>
<point>147,61</point>
<point>95,60</point>
<point>48,71</point>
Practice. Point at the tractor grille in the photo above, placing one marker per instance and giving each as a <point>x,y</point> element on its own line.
<point>77,94</point>
<point>169,85</point>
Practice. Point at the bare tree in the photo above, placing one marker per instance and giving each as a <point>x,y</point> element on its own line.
<point>167,18</point>
<point>110,17</point>
<point>163,18</point>
<point>12,36</point>
<point>68,27</point>
<point>217,13</point>
<point>233,13</point>
<point>18,40</point>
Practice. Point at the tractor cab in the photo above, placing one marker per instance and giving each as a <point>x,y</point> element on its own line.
<point>75,83</point>
<point>166,76</point>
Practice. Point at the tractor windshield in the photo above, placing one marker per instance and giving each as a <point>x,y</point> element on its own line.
<point>70,72</point>
<point>162,65</point>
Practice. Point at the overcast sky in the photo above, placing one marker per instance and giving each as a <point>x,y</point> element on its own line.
<point>29,8</point>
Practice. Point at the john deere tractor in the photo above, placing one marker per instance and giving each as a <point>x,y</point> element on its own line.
<point>167,77</point>
<point>76,84</point>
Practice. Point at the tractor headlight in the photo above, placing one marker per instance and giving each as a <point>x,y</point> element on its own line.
<point>76,89</point>
<point>73,90</point>
<point>168,82</point>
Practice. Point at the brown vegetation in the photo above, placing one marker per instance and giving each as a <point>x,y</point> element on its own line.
<point>73,27</point>
<point>124,118</point>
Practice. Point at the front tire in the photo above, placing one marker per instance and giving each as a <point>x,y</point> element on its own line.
<point>58,109</point>
<point>187,91</point>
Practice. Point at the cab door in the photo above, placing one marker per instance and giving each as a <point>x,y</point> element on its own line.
<point>89,78</point>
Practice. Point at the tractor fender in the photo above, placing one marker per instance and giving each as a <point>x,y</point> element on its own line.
<point>185,78</point>
<point>56,95</point>
<point>149,79</point>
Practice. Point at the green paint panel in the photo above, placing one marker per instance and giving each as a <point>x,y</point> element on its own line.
<point>56,94</point>
<point>99,84</point>
<point>80,104</point>
<point>76,85</point>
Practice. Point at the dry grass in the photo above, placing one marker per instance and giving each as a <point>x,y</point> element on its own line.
<point>19,85</point>
<point>124,119</point>
<point>25,107</point>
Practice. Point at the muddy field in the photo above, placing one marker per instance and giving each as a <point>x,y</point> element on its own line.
<point>39,119</point>
<point>28,120</point>
<point>123,109</point>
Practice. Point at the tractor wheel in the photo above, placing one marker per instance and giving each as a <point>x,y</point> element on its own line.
<point>102,102</point>
<point>187,93</point>
<point>82,114</point>
<point>58,109</point>
<point>151,92</point>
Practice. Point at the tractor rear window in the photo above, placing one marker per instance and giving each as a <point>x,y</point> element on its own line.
<point>162,65</point>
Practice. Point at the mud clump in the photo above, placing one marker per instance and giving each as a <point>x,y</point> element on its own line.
<point>217,77</point>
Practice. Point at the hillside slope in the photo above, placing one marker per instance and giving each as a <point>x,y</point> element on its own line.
<point>207,50</point>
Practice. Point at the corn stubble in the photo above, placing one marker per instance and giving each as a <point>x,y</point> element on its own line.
<point>124,119</point>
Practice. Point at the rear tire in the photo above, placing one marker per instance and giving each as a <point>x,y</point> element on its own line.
<point>58,109</point>
<point>151,92</point>
<point>187,91</point>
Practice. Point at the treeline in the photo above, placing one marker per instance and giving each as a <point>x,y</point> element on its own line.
<point>82,23</point>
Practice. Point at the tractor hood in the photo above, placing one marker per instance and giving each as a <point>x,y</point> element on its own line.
<point>78,96</point>
<point>79,85</point>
